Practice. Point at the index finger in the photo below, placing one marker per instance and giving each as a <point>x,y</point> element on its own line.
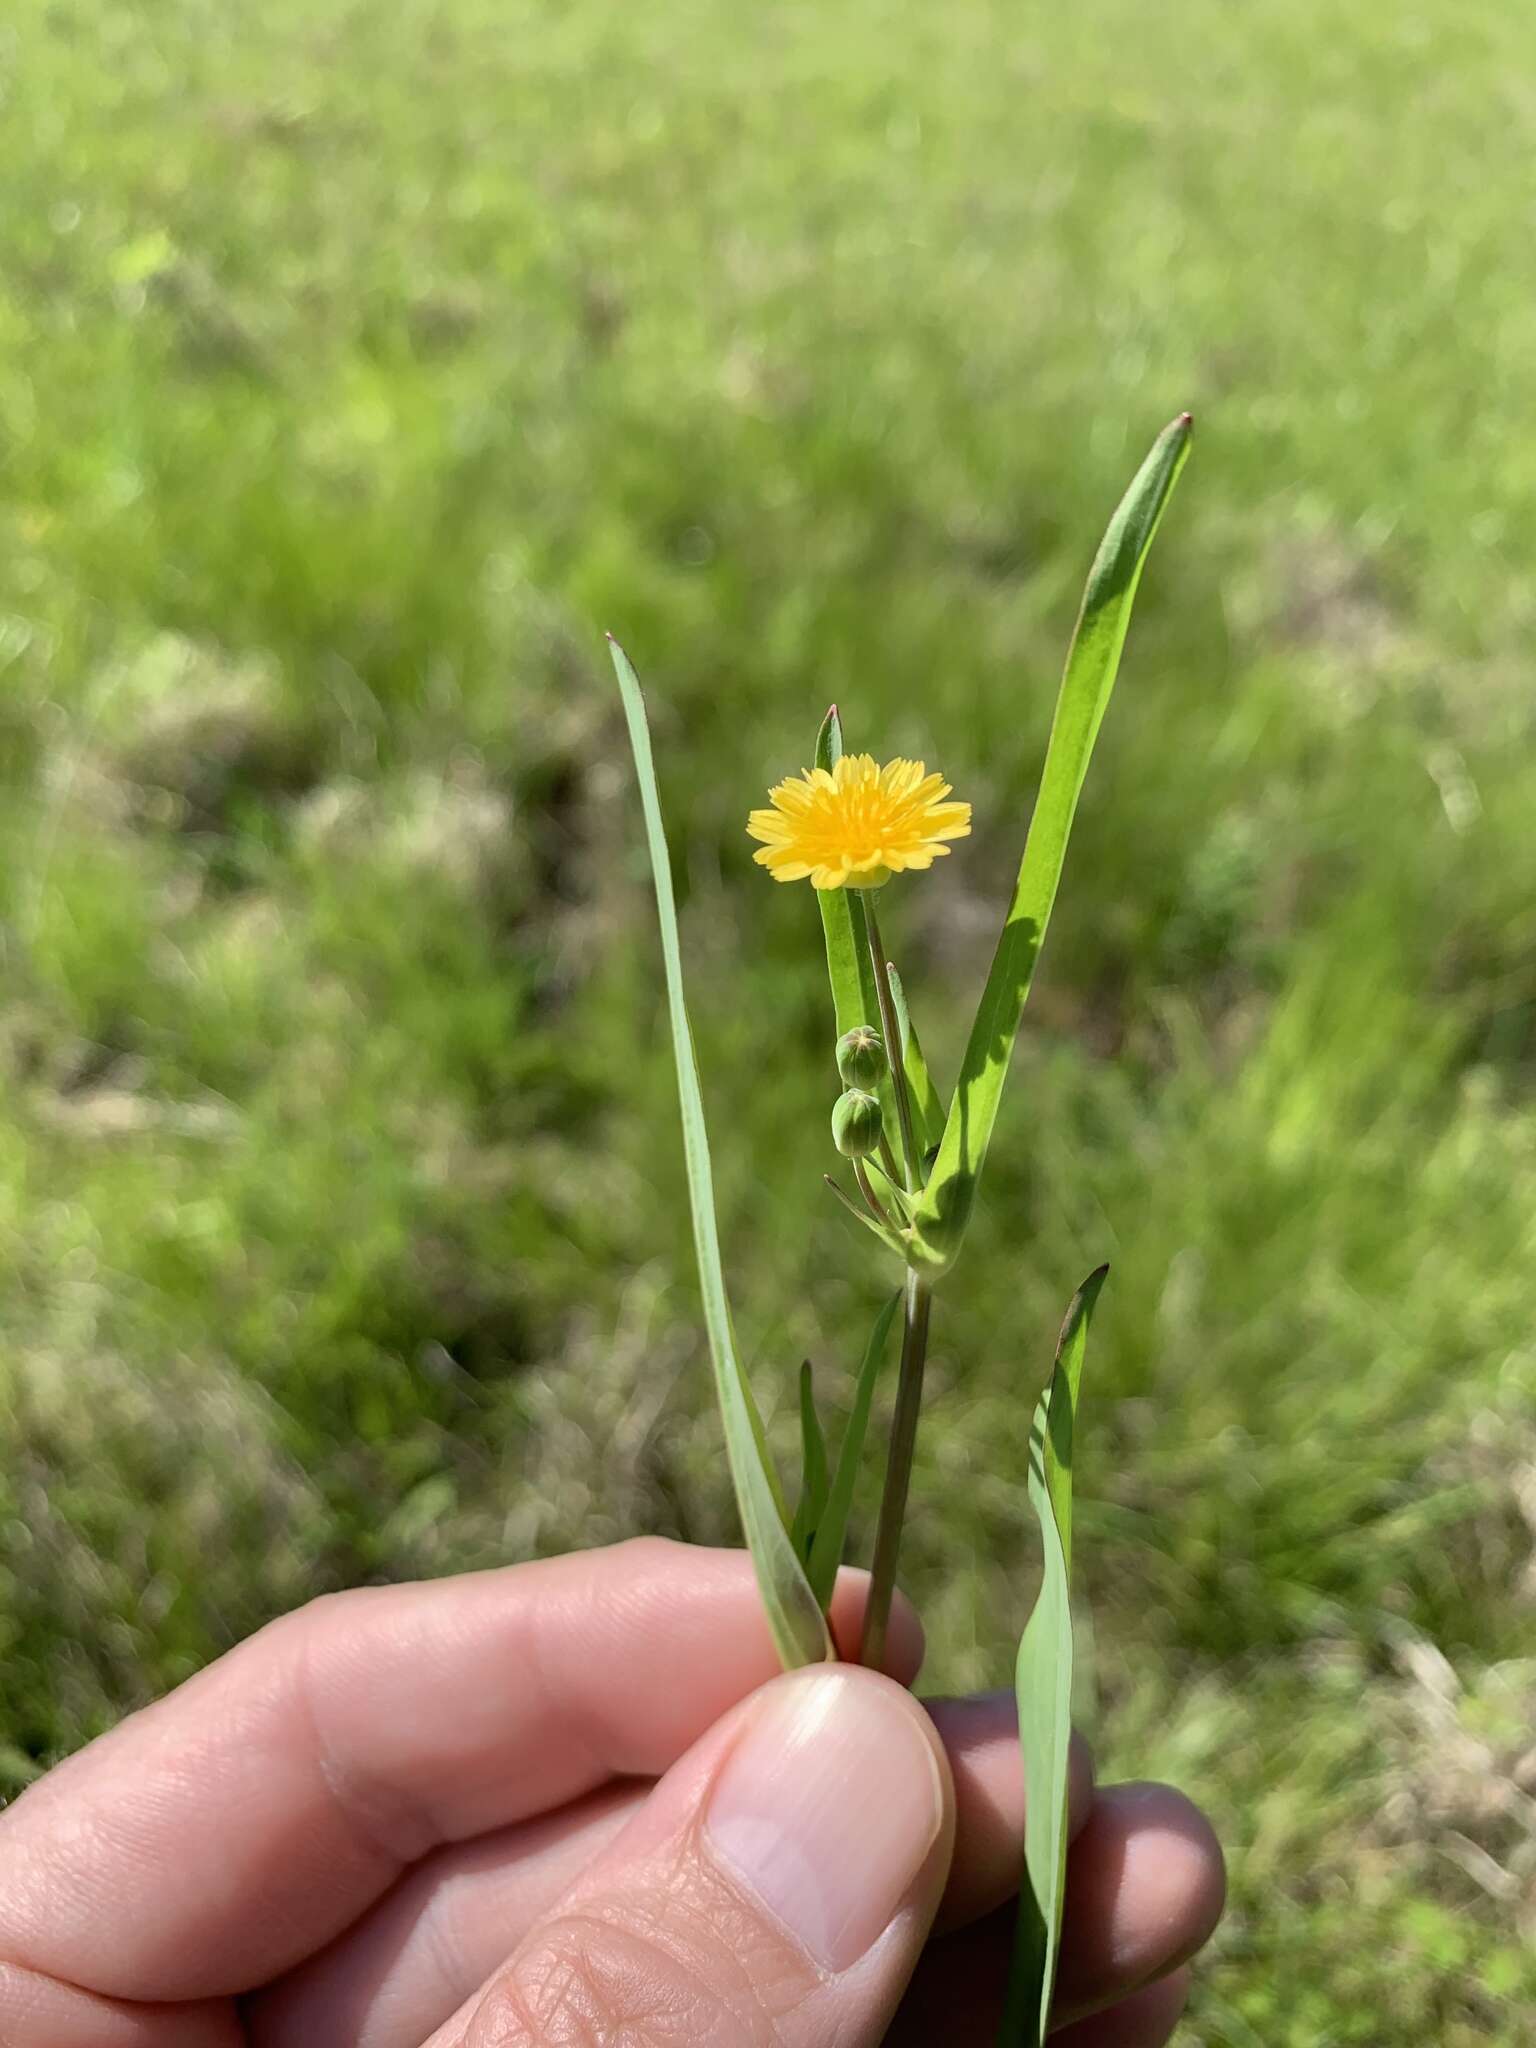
<point>230,1830</point>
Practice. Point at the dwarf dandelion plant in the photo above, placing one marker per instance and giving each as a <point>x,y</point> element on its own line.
<point>850,828</point>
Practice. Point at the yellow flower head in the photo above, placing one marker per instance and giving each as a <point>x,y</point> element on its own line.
<point>856,825</point>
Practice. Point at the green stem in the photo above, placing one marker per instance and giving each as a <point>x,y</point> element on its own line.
<point>888,1160</point>
<point>898,1470</point>
<point>895,1053</point>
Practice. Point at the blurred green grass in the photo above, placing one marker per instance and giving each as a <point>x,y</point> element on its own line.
<point>357,367</point>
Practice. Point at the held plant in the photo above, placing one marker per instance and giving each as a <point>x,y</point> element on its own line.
<point>848,827</point>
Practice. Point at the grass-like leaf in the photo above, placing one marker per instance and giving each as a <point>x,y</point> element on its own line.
<point>1092,662</point>
<point>861,1214</point>
<point>1044,1683</point>
<point>849,968</point>
<point>927,1109</point>
<point>832,1530</point>
<point>813,1467</point>
<point>898,1203</point>
<point>794,1613</point>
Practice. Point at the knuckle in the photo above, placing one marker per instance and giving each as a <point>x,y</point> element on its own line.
<point>287,1641</point>
<point>650,1553</point>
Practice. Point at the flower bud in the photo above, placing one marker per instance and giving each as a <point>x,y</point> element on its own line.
<point>861,1057</point>
<point>856,1124</point>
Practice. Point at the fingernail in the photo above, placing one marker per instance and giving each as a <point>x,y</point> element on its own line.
<point>827,1809</point>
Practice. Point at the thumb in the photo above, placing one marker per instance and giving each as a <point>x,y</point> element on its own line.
<point>774,1891</point>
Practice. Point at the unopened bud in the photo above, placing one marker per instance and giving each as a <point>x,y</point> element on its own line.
<point>856,1124</point>
<point>861,1057</point>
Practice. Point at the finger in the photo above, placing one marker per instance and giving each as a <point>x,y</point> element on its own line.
<point>40,2012</point>
<point>981,1735</point>
<point>1146,1884</point>
<point>1144,2020</point>
<point>1145,1887</point>
<point>409,1963</point>
<point>957,1995</point>
<point>449,1923</point>
<point>280,1792</point>
<point>773,1891</point>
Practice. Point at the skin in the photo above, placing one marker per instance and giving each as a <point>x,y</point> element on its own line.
<point>468,1813</point>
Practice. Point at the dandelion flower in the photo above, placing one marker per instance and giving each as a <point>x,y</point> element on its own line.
<point>856,825</point>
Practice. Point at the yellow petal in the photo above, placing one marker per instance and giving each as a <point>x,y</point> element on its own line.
<point>856,824</point>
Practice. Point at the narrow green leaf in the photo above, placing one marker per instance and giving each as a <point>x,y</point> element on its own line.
<point>898,1203</point>
<point>872,1224</point>
<point>1092,662</point>
<point>855,998</point>
<point>759,1433</point>
<point>1044,1684</point>
<point>849,968</point>
<point>813,1467</point>
<point>794,1614</point>
<point>832,1531</point>
<point>927,1109</point>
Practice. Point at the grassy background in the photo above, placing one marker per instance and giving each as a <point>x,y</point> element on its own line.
<point>358,366</point>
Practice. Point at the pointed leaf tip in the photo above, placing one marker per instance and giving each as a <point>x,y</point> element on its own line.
<point>1092,662</point>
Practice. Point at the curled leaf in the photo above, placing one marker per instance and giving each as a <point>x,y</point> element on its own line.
<point>1044,1685</point>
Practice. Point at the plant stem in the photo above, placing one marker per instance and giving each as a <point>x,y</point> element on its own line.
<point>898,1470</point>
<point>891,1030</point>
<point>888,1160</point>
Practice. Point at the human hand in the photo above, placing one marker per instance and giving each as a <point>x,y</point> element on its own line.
<point>569,1802</point>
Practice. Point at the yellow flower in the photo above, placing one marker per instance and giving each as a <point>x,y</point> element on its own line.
<point>858,825</point>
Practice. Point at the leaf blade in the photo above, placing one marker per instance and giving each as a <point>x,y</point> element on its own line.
<point>1043,1682</point>
<point>832,1532</point>
<point>1093,661</point>
<point>794,1615</point>
<point>927,1109</point>
<point>813,1468</point>
<point>849,967</point>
